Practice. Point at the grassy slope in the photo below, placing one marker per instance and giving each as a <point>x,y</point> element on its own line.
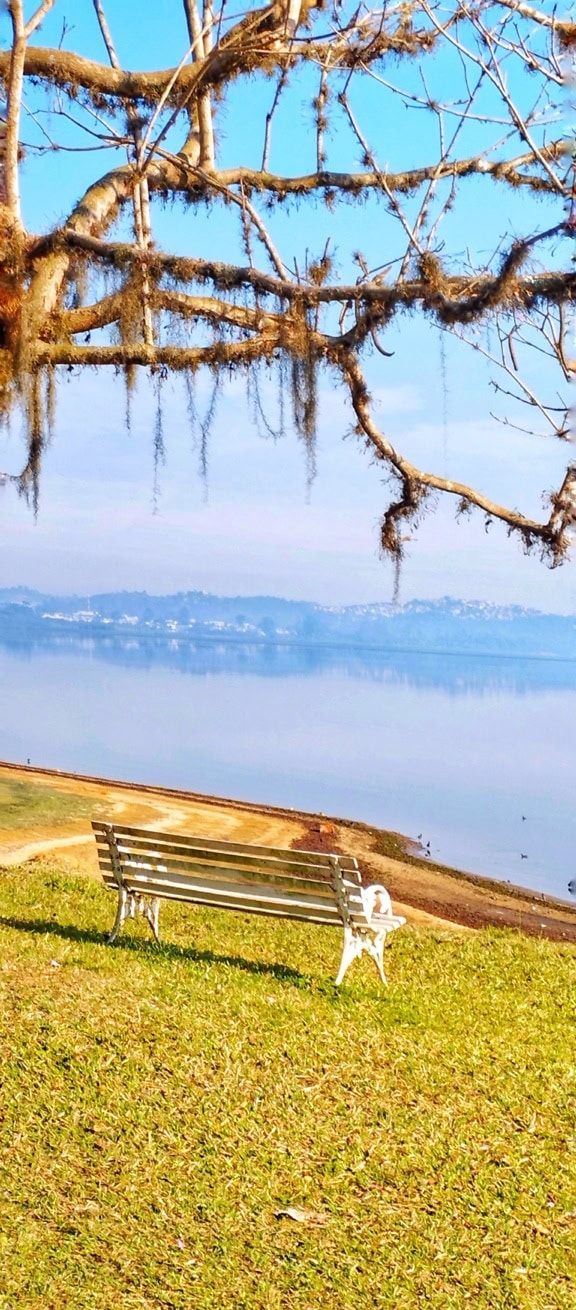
<point>158,1108</point>
<point>29,804</point>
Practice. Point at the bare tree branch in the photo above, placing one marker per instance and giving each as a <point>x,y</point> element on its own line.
<point>96,291</point>
<point>553,534</point>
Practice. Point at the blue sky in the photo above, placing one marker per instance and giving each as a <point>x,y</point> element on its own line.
<point>256,525</point>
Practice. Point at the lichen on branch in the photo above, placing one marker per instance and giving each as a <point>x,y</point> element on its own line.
<point>96,290</point>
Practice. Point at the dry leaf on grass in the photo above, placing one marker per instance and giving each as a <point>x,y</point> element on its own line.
<point>301,1216</point>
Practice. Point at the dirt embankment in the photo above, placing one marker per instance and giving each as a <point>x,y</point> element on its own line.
<point>420,890</point>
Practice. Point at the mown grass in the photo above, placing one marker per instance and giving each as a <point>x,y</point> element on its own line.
<point>32,804</point>
<point>159,1107</point>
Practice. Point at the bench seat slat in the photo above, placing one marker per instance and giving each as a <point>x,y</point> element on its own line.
<point>177,873</point>
<point>172,869</point>
<point>150,883</point>
<point>167,885</point>
<point>203,860</point>
<point>312,912</point>
<point>146,870</point>
<point>228,897</point>
<point>247,850</point>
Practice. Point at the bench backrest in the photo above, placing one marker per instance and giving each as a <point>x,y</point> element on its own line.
<point>317,887</point>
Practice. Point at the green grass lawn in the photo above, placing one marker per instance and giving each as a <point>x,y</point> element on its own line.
<point>158,1108</point>
<point>26,804</point>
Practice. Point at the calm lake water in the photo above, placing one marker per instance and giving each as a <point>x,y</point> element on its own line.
<point>457,748</point>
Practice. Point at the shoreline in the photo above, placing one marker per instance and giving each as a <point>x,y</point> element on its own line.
<point>107,632</point>
<point>430,890</point>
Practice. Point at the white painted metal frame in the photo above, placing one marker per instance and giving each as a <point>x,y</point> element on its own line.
<point>130,903</point>
<point>364,933</point>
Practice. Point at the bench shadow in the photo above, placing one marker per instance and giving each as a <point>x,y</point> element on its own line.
<point>69,932</point>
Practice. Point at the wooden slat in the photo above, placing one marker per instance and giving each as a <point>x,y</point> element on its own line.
<point>249,850</point>
<point>172,883</point>
<point>280,863</point>
<point>199,858</point>
<point>222,898</point>
<point>217,899</point>
<point>172,886</point>
<point>166,868</point>
<point>267,910</point>
<point>388,921</point>
<point>191,839</point>
<point>142,878</point>
<point>150,886</point>
<point>277,873</point>
<point>178,858</point>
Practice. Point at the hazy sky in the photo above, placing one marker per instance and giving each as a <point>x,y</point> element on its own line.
<point>257,524</point>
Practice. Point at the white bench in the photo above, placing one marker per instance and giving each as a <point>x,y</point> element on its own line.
<point>146,867</point>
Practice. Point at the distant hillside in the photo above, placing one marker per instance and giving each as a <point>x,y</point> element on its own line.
<point>445,625</point>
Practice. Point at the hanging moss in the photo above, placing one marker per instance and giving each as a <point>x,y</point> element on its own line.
<point>36,428</point>
<point>50,398</point>
<point>158,443</point>
<point>401,513</point>
<point>206,424</point>
<point>130,374</point>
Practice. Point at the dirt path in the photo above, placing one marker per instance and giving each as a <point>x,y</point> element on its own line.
<point>423,892</point>
<point>21,854</point>
<point>169,817</point>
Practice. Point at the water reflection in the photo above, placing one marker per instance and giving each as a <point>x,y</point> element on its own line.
<point>458,675</point>
<point>477,754</point>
